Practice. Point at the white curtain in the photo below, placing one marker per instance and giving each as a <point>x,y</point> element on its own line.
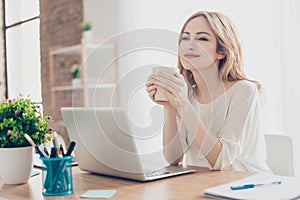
<point>275,24</point>
<point>290,71</point>
<point>279,69</point>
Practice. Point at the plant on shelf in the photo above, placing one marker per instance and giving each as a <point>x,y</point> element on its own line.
<point>75,71</point>
<point>75,75</point>
<point>87,32</point>
<point>86,26</point>
<point>22,116</point>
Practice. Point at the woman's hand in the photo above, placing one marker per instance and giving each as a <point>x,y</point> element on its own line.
<point>174,87</point>
<point>151,88</point>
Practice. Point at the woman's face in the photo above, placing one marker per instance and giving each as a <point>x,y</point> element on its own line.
<point>198,47</point>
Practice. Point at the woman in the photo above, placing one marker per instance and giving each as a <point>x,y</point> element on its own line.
<point>212,112</point>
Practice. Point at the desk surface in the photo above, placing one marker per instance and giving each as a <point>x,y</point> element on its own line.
<point>188,186</point>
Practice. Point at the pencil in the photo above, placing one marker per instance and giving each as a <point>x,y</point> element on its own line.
<point>28,138</point>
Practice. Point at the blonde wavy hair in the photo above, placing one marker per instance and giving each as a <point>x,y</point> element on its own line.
<point>228,44</point>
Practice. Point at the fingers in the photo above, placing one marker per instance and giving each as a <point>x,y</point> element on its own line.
<point>171,85</point>
<point>167,83</point>
<point>180,76</point>
<point>162,81</point>
<point>150,88</point>
<point>151,95</point>
<point>171,98</point>
<point>166,93</point>
<point>150,83</point>
<point>150,79</point>
<point>166,79</point>
<point>175,78</point>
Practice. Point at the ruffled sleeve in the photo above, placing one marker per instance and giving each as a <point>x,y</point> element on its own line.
<point>240,133</point>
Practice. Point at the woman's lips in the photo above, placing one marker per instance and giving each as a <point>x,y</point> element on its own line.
<point>191,55</point>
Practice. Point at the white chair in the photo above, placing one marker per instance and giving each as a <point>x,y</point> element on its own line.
<point>280,154</point>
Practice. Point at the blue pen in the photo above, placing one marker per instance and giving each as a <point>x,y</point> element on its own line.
<point>248,186</point>
<point>46,151</point>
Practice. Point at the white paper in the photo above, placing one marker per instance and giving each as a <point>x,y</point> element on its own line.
<point>288,189</point>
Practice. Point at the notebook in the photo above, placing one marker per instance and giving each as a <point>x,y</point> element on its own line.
<point>287,189</point>
<point>105,145</point>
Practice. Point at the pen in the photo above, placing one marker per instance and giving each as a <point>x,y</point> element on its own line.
<point>70,149</point>
<point>53,153</point>
<point>28,138</point>
<point>248,186</point>
<point>61,149</point>
<point>46,151</point>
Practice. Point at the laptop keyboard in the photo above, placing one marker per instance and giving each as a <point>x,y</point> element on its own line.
<point>150,173</point>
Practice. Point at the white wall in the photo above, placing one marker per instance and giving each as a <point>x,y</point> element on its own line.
<point>102,14</point>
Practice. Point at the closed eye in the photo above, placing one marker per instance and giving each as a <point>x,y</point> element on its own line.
<point>185,38</point>
<point>203,39</point>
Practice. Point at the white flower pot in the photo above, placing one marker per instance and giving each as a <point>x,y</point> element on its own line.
<point>88,36</point>
<point>76,82</point>
<point>16,164</point>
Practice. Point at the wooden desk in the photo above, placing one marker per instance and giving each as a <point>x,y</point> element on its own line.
<point>188,186</point>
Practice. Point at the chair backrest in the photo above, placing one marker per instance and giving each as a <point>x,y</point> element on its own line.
<point>280,154</point>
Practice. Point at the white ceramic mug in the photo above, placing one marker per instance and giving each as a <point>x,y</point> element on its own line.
<point>159,96</point>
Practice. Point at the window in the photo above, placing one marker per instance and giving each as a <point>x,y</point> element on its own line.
<point>22,40</point>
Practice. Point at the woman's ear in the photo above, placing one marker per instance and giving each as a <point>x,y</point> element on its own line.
<point>221,55</point>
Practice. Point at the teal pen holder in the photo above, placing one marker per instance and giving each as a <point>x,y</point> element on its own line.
<point>57,176</point>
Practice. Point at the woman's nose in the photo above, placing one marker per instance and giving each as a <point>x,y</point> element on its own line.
<point>191,45</point>
<point>188,45</point>
<point>191,48</point>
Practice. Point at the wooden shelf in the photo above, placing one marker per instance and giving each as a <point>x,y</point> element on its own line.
<point>60,90</point>
<point>77,49</point>
<point>89,86</point>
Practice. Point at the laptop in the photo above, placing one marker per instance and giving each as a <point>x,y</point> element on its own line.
<point>105,145</point>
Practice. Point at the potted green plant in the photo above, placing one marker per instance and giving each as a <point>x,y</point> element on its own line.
<point>87,31</point>
<point>86,26</point>
<point>75,71</point>
<point>18,117</point>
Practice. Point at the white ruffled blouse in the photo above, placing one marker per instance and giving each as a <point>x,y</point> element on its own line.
<point>234,118</point>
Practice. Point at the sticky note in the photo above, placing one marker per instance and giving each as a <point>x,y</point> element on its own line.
<point>105,194</point>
